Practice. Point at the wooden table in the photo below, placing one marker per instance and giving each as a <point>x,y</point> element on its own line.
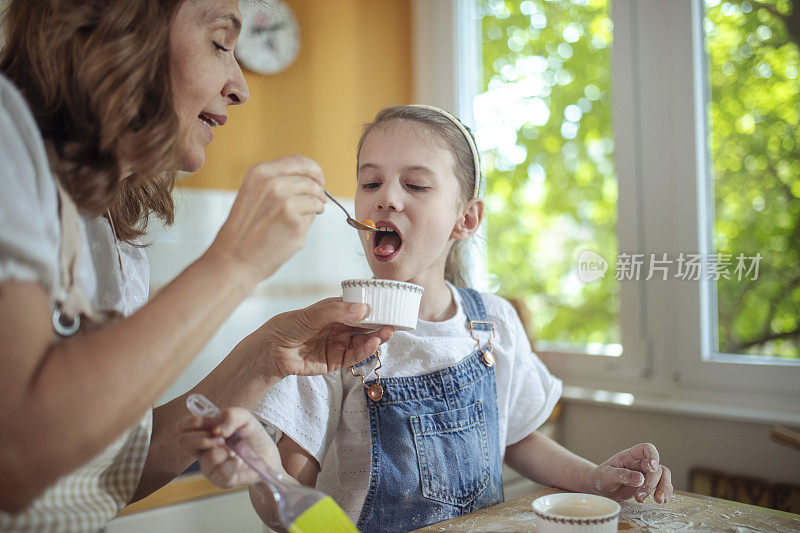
<point>684,512</point>
<point>182,489</point>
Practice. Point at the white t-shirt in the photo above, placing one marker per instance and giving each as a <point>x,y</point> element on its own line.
<point>30,231</point>
<point>328,415</point>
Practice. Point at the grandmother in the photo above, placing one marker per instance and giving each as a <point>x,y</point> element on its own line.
<point>101,103</point>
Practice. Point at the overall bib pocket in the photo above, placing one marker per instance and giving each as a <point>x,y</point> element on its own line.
<point>453,454</point>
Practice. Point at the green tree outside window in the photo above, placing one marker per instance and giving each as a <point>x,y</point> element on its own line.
<point>754,113</point>
<point>544,124</point>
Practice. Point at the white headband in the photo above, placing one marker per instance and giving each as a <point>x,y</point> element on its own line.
<point>474,149</point>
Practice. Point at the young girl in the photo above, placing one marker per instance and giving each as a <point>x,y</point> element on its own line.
<point>461,393</point>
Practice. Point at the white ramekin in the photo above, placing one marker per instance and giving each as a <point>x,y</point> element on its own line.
<point>391,303</point>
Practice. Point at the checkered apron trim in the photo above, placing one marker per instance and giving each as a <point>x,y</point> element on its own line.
<point>87,498</point>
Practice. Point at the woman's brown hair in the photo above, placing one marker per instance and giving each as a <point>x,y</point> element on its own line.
<point>96,76</point>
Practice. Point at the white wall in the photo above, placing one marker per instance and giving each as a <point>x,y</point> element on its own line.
<point>597,431</point>
<point>332,253</point>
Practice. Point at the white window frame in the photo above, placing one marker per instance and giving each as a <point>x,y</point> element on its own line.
<point>659,92</point>
<point>748,373</point>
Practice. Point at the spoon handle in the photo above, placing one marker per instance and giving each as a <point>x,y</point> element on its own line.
<point>329,195</point>
<point>350,220</point>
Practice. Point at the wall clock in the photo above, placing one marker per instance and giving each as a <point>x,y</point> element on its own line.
<point>270,37</point>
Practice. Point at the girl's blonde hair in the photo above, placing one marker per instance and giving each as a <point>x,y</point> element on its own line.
<point>456,269</point>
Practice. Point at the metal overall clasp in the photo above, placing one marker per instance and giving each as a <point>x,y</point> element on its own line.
<point>374,391</point>
<point>486,355</point>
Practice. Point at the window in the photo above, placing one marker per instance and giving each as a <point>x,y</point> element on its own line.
<point>664,138</point>
<point>754,148</point>
<point>543,124</point>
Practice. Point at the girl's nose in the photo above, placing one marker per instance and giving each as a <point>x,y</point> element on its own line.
<point>389,199</point>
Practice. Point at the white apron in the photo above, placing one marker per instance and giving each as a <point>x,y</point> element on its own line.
<point>86,499</point>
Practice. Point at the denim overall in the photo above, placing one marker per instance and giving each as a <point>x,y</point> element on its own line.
<point>435,442</point>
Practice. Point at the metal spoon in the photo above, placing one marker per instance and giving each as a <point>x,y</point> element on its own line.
<point>350,220</point>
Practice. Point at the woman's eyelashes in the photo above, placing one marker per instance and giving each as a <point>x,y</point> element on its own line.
<point>220,49</point>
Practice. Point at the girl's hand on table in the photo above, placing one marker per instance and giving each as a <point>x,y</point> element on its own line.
<point>204,438</point>
<point>272,213</point>
<point>314,340</point>
<point>634,472</point>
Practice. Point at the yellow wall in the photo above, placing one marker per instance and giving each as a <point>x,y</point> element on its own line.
<point>355,58</point>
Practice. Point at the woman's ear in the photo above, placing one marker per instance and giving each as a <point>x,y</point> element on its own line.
<point>470,220</point>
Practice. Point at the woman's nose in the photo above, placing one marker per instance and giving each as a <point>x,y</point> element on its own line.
<point>236,90</point>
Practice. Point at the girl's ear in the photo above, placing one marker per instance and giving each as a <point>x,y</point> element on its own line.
<point>470,220</point>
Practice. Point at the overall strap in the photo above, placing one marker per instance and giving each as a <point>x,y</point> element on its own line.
<point>473,307</point>
<point>478,320</point>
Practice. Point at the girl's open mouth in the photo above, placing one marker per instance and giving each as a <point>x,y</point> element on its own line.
<point>387,242</point>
